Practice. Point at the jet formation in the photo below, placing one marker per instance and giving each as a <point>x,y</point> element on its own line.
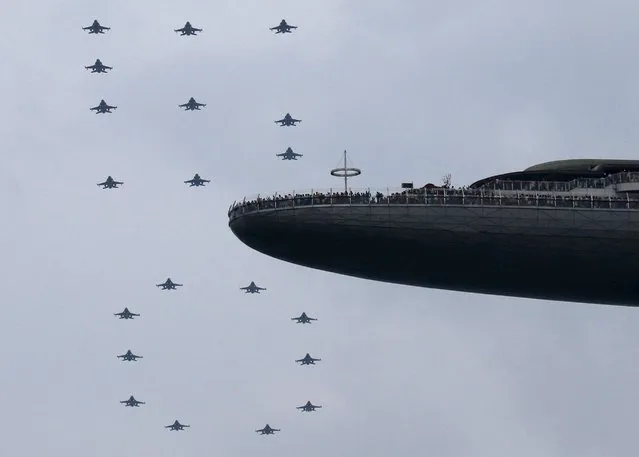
<point>307,360</point>
<point>110,183</point>
<point>308,407</point>
<point>192,105</point>
<point>267,430</point>
<point>287,121</point>
<point>197,181</point>
<point>283,27</point>
<point>130,357</point>
<point>98,67</point>
<point>126,314</point>
<point>176,426</point>
<point>132,402</point>
<point>96,28</point>
<point>188,30</point>
<point>289,154</point>
<point>103,107</point>
<point>168,285</point>
<point>252,289</point>
<point>303,319</point>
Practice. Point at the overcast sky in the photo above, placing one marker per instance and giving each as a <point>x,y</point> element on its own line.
<point>413,90</point>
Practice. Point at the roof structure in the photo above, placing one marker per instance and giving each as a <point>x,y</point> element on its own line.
<point>565,170</point>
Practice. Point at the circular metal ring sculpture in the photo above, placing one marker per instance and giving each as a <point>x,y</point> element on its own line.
<point>346,172</point>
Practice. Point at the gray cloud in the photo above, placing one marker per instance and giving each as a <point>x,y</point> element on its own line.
<point>412,91</point>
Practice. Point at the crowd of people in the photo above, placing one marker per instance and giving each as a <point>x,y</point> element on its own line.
<point>437,196</point>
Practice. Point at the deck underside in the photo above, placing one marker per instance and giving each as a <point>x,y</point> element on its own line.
<point>580,266</point>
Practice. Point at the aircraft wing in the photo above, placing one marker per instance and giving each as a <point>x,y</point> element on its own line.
<point>180,30</point>
<point>118,182</point>
<point>196,30</point>
<point>102,184</point>
<point>184,105</point>
<point>178,285</point>
<point>244,288</point>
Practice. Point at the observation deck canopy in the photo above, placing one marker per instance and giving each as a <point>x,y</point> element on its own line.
<point>565,170</point>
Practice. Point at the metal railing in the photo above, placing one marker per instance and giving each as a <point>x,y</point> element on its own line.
<point>563,186</point>
<point>432,197</point>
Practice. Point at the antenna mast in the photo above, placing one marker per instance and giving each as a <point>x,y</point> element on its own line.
<point>346,172</point>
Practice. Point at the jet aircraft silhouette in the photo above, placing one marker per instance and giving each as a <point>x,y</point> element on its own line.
<point>132,402</point>
<point>98,67</point>
<point>308,407</point>
<point>197,181</point>
<point>126,314</point>
<point>176,426</point>
<point>188,29</point>
<point>103,107</point>
<point>287,121</point>
<point>252,288</point>
<point>307,360</point>
<point>303,319</point>
<point>192,105</point>
<point>110,183</point>
<point>168,285</point>
<point>283,27</point>
<point>96,28</point>
<point>130,356</point>
<point>267,430</point>
<point>289,155</point>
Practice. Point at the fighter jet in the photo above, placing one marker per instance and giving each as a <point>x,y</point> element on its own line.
<point>308,407</point>
<point>197,181</point>
<point>267,430</point>
<point>110,183</point>
<point>103,107</point>
<point>289,155</point>
<point>252,289</point>
<point>188,29</point>
<point>168,285</point>
<point>98,67</point>
<point>126,314</point>
<point>130,356</point>
<point>307,360</point>
<point>283,27</point>
<point>192,105</point>
<point>287,121</point>
<point>96,28</point>
<point>176,426</point>
<point>132,402</point>
<point>303,319</point>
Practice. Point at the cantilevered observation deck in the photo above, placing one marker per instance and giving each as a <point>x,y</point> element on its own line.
<point>571,236</point>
